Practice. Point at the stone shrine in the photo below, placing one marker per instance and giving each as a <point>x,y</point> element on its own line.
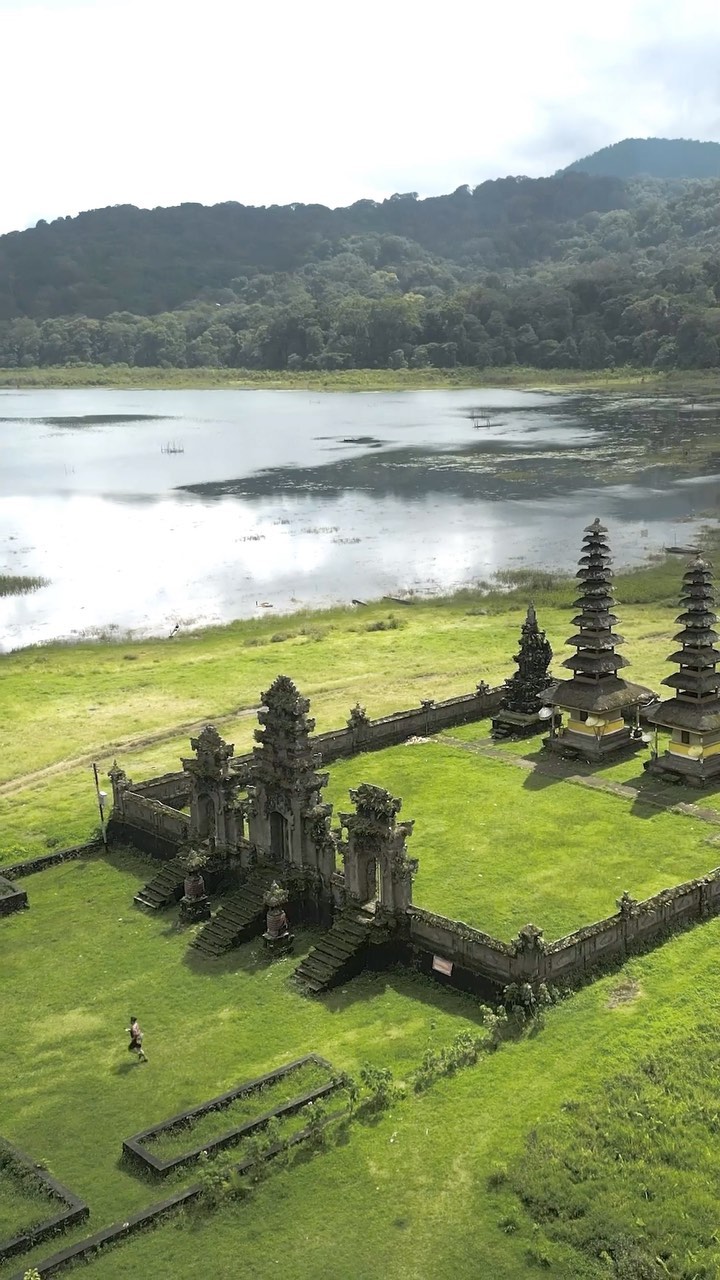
<point>518,715</point>
<point>377,868</point>
<point>213,788</point>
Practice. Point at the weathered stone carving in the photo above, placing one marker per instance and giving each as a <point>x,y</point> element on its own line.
<point>519,710</point>
<point>358,719</point>
<point>286,816</point>
<point>377,867</point>
<point>277,937</point>
<point>213,814</point>
<point>626,905</point>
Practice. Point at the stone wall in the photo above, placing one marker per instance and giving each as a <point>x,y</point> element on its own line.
<point>634,926</point>
<point>529,959</point>
<point>471,950</point>
<point>340,744</point>
<point>172,789</point>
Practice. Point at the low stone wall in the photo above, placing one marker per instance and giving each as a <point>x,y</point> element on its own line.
<point>636,925</point>
<point>147,823</point>
<point>529,959</point>
<point>474,952</point>
<point>172,789</point>
<point>28,867</point>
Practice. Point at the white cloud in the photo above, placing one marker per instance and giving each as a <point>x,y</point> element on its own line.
<point>151,102</point>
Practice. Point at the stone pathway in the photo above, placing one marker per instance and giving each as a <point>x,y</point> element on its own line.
<point>565,771</point>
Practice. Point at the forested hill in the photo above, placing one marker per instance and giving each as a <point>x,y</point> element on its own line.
<point>565,272</point>
<point>667,158</point>
<point>147,261</point>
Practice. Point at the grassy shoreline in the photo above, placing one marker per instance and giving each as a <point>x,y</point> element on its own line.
<point>674,382</point>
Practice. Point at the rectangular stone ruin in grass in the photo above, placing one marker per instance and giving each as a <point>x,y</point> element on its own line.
<point>11,897</point>
<point>62,1208</point>
<point>178,1140</point>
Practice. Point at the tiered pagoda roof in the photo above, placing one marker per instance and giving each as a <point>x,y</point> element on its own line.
<point>696,704</point>
<point>595,685</point>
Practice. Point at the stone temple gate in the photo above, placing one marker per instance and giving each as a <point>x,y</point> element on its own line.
<point>377,867</point>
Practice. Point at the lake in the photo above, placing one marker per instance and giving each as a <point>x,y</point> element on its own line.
<point>147,509</point>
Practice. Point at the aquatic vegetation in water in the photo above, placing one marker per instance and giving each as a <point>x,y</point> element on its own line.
<point>19,584</point>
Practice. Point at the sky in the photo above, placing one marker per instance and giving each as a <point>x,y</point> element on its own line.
<point>156,102</point>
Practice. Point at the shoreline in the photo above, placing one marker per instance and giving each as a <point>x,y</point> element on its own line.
<point>656,581</point>
<point>119,377</point>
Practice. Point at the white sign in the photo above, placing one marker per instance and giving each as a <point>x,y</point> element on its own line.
<point>441,965</point>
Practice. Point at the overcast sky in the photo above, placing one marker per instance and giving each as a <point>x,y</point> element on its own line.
<point>155,102</point>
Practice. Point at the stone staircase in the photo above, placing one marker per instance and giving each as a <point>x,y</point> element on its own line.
<point>339,953</point>
<point>165,889</point>
<point>241,917</point>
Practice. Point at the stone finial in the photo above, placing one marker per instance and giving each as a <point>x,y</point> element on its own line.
<point>627,906</point>
<point>529,938</point>
<point>359,718</point>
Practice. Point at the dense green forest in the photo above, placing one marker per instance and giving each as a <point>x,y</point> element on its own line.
<point>575,271</point>
<point>654,158</point>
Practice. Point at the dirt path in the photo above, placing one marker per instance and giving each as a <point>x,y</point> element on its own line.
<point>132,743</point>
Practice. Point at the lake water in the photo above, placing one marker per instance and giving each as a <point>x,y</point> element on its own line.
<point>149,508</point>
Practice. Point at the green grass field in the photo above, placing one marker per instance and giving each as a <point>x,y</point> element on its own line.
<point>407,1196</point>
<point>499,847</point>
<point>630,378</point>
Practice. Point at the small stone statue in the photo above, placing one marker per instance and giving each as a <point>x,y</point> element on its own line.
<point>277,937</point>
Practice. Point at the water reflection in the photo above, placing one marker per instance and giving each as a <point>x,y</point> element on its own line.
<point>253,511</point>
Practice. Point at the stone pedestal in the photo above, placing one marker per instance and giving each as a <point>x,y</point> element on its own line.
<point>278,944</point>
<point>595,748</point>
<point>277,937</point>
<point>195,907</point>
<point>516,724</point>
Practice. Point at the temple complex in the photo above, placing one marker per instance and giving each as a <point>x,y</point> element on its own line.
<point>596,700</point>
<point>518,715</point>
<point>693,714</point>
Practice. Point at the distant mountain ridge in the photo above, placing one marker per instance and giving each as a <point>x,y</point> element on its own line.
<point>655,157</point>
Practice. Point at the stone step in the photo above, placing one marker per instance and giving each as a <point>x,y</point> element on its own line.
<point>164,889</point>
<point>242,916</point>
<point>337,952</point>
<point>333,950</point>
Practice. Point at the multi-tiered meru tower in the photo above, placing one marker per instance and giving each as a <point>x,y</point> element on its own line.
<point>693,714</point>
<point>596,700</point>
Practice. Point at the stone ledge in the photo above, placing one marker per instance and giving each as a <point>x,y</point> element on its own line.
<point>76,1210</point>
<point>144,1218</point>
<point>30,866</point>
<point>135,1148</point>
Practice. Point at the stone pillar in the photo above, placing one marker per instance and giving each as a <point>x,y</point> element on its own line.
<point>120,784</point>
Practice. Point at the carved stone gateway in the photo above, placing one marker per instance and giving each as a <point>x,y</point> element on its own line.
<point>213,814</point>
<point>377,867</point>
<point>287,819</point>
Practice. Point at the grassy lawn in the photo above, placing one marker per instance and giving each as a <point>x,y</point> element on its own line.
<point>410,1190</point>
<point>20,1205</point>
<point>83,959</point>
<point>499,847</point>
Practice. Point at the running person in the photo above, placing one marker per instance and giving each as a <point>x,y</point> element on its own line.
<point>136,1040</point>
